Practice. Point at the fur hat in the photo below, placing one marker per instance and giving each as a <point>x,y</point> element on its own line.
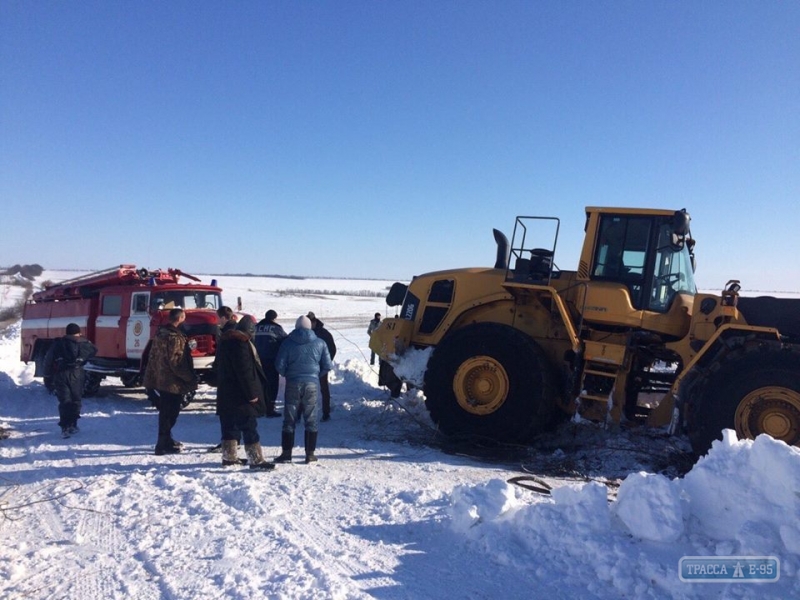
<point>270,315</point>
<point>73,329</point>
<point>303,323</point>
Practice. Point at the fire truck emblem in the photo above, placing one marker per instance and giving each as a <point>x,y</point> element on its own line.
<point>137,328</point>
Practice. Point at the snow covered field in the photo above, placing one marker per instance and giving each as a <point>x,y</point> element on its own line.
<point>387,513</point>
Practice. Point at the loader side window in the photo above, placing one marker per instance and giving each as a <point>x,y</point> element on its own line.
<point>441,291</point>
<point>432,318</point>
<point>621,253</point>
<point>439,299</point>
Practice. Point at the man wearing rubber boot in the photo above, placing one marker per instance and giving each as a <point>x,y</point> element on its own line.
<point>301,359</point>
<point>240,395</point>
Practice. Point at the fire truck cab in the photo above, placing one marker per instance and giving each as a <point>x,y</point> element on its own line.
<point>119,310</point>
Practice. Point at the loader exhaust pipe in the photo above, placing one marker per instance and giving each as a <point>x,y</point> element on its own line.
<point>501,262</point>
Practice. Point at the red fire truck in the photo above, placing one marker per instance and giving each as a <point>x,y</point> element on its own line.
<point>119,310</point>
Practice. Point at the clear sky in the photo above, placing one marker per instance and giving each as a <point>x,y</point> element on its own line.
<point>386,139</point>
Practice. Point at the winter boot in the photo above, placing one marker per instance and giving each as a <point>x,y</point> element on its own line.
<point>256,457</point>
<point>230,456</point>
<point>287,443</point>
<point>164,446</point>
<point>311,445</point>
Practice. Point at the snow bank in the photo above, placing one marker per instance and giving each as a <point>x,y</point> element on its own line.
<point>411,366</point>
<point>755,489</point>
<point>743,498</point>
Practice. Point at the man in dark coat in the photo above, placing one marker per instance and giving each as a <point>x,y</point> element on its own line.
<point>65,360</point>
<point>373,325</point>
<point>318,327</point>
<point>170,375</point>
<point>240,395</point>
<point>302,359</point>
<point>269,336</point>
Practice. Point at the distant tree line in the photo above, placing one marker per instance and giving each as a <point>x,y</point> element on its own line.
<point>309,292</point>
<point>23,276</point>
<point>27,271</point>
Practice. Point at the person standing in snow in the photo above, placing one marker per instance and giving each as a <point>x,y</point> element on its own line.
<point>65,360</point>
<point>240,395</point>
<point>373,325</point>
<point>170,374</point>
<point>269,336</point>
<point>227,319</point>
<point>302,359</point>
<point>319,329</point>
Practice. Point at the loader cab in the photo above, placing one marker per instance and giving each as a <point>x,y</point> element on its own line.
<point>639,269</point>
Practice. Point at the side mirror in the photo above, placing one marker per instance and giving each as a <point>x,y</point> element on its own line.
<point>680,222</point>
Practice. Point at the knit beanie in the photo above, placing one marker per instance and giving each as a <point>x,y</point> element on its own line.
<point>73,329</point>
<point>303,323</point>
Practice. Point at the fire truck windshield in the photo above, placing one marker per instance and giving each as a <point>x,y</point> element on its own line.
<point>186,299</point>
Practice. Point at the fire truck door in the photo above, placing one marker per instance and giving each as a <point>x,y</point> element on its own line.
<point>107,326</point>
<point>137,331</point>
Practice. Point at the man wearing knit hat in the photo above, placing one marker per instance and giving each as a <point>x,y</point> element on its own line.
<point>302,357</point>
<point>65,360</point>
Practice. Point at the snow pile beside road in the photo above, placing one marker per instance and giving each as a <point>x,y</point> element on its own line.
<point>743,498</point>
<point>756,499</point>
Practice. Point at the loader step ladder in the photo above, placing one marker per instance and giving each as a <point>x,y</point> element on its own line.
<point>603,365</point>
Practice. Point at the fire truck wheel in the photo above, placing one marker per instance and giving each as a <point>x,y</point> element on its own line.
<point>755,389</point>
<point>490,381</point>
<point>91,384</point>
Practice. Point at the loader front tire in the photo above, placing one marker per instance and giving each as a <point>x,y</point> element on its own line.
<point>490,381</point>
<point>753,390</point>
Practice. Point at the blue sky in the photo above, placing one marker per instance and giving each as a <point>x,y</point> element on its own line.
<point>386,139</point>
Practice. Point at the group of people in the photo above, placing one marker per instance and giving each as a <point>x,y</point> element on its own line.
<point>249,360</point>
<point>250,357</point>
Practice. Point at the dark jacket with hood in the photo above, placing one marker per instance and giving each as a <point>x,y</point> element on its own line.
<point>302,356</point>
<point>68,353</point>
<point>240,377</point>
<point>325,336</point>
<point>64,362</point>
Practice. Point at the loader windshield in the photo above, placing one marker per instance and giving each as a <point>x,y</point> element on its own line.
<point>672,273</point>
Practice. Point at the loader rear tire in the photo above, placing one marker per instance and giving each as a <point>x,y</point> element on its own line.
<point>753,390</point>
<point>490,381</point>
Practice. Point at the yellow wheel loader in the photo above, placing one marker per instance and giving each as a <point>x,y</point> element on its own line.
<point>624,339</point>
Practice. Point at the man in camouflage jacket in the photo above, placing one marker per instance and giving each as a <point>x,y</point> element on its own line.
<point>170,375</point>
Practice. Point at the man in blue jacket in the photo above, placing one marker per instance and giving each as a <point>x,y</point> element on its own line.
<point>302,357</point>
